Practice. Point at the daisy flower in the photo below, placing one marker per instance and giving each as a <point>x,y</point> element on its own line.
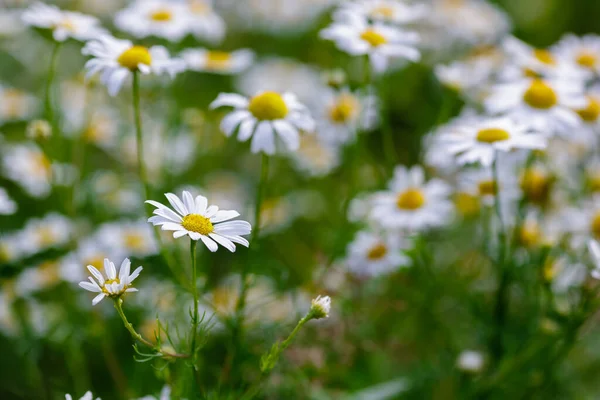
<point>358,37</point>
<point>161,18</point>
<point>386,11</point>
<point>264,117</point>
<point>7,205</point>
<point>63,24</point>
<point>411,203</point>
<point>320,307</point>
<point>128,237</point>
<point>113,286</point>
<point>581,51</point>
<point>193,217</point>
<point>217,62</point>
<point>544,105</point>
<point>29,167</point>
<point>16,105</point>
<point>118,59</point>
<point>480,141</point>
<point>204,22</point>
<point>371,254</point>
<point>315,156</point>
<point>594,248</point>
<point>87,396</point>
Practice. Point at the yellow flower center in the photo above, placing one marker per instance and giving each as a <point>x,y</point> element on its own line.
<point>492,135</point>
<point>587,59</point>
<point>218,59</point>
<point>591,112</point>
<point>344,109</point>
<point>15,103</point>
<point>110,282</point>
<point>45,236</point>
<point>544,56</point>
<point>41,165</point>
<point>536,185</point>
<point>49,272</point>
<point>373,38</point>
<point>65,24</point>
<point>593,182</point>
<point>382,12</point>
<point>540,95</point>
<point>550,269</point>
<point>595,228</point>
<point>467,204</point>
<point>529,235</point>
<point>161,15</point>
<point>197,223</point>
<point>134,241</point>
<point>488,188</point>
<point>268,106</point>
<point>135,56</point>
<point>411,199</point>
<point>377,252</point>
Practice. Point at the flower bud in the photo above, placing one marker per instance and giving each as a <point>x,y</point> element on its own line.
<point>320,307</point>
<point>39,130</point>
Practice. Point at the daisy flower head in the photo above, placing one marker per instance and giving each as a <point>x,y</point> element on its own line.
<point>594,248</point>
<point>193,217</point>
<point>547,106</point>
<point>265,117</point>
<point>372,254</point>
<point>357,36</point>
<point>582,51</point>
<point>63,24</point>
<point>113,286</point>
<point>118,59</point>
<point>218,62</point>
<point>320,307</point>
<point>203,22</point>
<point>28,166</point>
<point>412,203</point>
<point>480,141</point>
<point>386,11</point>
<point>161,18</point>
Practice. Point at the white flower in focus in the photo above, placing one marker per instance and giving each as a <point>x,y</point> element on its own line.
<point>545,106</point>
<point>371,254</point>
<point>480,141</point>
<point>161,18</point>
<point>118,59</point>
<point>386,11</point>
<point>217,62</point>
<point>411,203</point>
<point>594,248</point>
<point>29,167</point>
<point>192,217</point>
<point>7,205</point>
<point>113,286</point>
<point>320,307</point>
<point>470,361</point>
<point>87,396</point>
<point>265,117</point>
<point>358,37</point>
<point>64,24</point>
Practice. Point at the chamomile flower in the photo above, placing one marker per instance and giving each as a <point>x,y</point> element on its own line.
<point>16,105</point>
<point>192,217</point>
<point>87,396</point>
<point>7,205</point>
<point>412,203</point>
<point>218,62</point>
<point>63,24</point>
<point>204,22</point>
<point>135,238</point>
<point>112,286</point>
<point>594,249</point>
<point>581,51</point>
<point>480,141</point>
<point>118,59</point>
<point>315,156</point>
<point>544,105</point>
<point>29,167</point>
<point>265,117</point>
<point>52,230</point>
<point>320,307</point>
<point>371,254</point>
<point>386,11</point>
<point>161,18</point>
<point>381,43</point>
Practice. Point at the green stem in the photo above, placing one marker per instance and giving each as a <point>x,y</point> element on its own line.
<point>49,110</point>
<point>193,244</point>
<point>128,326</point>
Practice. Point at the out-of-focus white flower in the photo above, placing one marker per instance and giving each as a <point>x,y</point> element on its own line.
<point>320,307</point>
<point>482,140</point>
<point>7,205</point>
<point>204,22</point>
<point>115,193</point>
<point>63,24</point>
<point>470,361</point>
<point>412,203</point>
<point>161,18</point>
<point>582,51</point>
<point>52,230</point>
<point>594,248</point>
<point>218,62</point>
<point>118,59</point>
<point>16,105</point>
<point>11,23</point>
<point>90,251</point>
<point>113,286</point>
<point>87,396</point>
<point>371,254</point>
<point>192,217</point>
<point>316,156</point>
<point>386,11</point>
<point>265,117</point>
<point>381,43</point>
<point>29,167</point>
<point>545,106</point>
<point>135,238</point>
<point>39,130</point>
